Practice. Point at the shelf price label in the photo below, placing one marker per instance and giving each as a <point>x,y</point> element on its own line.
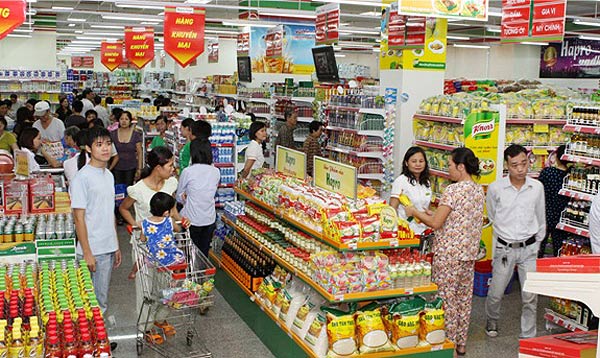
<point>290,162</point>
<point>12,15</point>
<point>335,177</point>
<point>184,33</point>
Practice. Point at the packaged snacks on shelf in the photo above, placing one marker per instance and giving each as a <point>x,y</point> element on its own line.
<point>14,192</point>
<point>370,330</point>
<point>41,195</point>
<point>432,324</point>
<point>341,333</point>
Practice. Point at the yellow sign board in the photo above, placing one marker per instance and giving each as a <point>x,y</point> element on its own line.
<point>481,131</point>
<point>290,162</point>
<point>336,177</point>
<point>21,163</point>
<point>457,9</point>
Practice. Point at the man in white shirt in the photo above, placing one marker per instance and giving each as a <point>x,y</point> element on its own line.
<point>15,105</point>
<point>88,100</point>
<point>595,225</point>
<point>51,129</point>
<point>515,205</point>
<point>101,111</point>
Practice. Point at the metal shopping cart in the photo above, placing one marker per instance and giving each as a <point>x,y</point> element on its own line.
<point>177,293</point>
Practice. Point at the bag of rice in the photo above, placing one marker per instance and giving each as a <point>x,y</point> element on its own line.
<point>404,321</point>
<point>316,336</point>
<point>306,314</point>
<point>371,333</point>
<point>341,331</point>
<point>433,323</point>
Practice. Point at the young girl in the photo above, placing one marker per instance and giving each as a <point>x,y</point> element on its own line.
<point>161,127</point>
<point>157,231</point>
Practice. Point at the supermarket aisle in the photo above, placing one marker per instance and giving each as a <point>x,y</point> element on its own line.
<point>223,331</point>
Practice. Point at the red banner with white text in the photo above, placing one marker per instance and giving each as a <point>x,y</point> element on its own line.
<point>184,33</point>
<point>111,54</point>
<point>139,45</point>
<point>533,20</point>
<point>12,15</point>
<point>327,24</point>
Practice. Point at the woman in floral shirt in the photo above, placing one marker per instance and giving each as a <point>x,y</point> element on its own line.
<point>458,222</point>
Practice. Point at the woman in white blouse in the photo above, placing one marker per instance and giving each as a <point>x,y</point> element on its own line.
<point>255,158</point>
<point>414,183</point>
<point>30,142</point>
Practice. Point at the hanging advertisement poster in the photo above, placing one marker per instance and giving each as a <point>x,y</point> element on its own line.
<point>533,20</point>
<point>139,45</point>
<point>327,24</point>
<point>12,15</point>
<point>184,33</point>
<point>296,55</point>
<point>476,10</point>
<point>405,32</point>
<point>213,51</point>
<point>572,58</point>
<point>274,42</point>
<point>243,44</point>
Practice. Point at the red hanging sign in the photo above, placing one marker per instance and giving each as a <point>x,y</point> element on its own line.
<point>243,44</point>
<point>327,24</point>
<point>405,32</point>
<point>82,61</point>
<point>213,51</point>
<point>274,42</point>
<point>184,33</point>
<point>111,54</point>
<point>12,15</point>
<point>533,20</point>
<point>139,45</point>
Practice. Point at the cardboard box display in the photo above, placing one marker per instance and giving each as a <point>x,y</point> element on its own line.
<point>570,264</point>
<point>567,345</point>
<point>14,190</point>
<point>41,195</point>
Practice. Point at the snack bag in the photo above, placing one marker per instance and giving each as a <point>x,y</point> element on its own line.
<point>404,321</point>
<point>316,336</point>
<point>341,331</point>
<point>371,334</point>
<point>433,323</point>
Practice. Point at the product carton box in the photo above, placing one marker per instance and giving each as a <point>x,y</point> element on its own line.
<point>570,264</point>
<point>41,195</point>
<point>14,192</point>
<point>568,345</point>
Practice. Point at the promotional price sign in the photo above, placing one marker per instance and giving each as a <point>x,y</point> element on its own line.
<point>243,44</point>
<point>184,33</point>
<point>405,32</point>
<point>533,20</point>
<point>458,9</point>
<point>290,162</point>
<point>336,177</point>
<point>111,54</point>
<point>12,15</point>
<point>274,42</point>
<point>21,163</point>
<point>213,51</point>
<point>327,24</point>
<point>139,45</point>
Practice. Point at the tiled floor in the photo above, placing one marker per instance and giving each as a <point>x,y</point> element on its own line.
<point>227,336</point>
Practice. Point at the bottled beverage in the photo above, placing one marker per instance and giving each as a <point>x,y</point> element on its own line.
<point>16,348</point>
<point>102,348</point>
<point>86,348</point>
<point>34,348</point>
<point>70,350</point>
<point>53,347</point>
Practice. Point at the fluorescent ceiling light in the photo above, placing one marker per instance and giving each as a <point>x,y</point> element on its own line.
<point>31,12</point>
<point>23,30</point>
<point>214,31</point>
<point>452,37</point>
<point>63,8</point>
<point>295,14</point>
<point>100,33</point>
<point>130,17</point>
<point>339,55</point>
<point>74,19</point>
<point>471,46</point>
<point>357,2</point>
<point>118,27</point>
<point>91,38</point>
<point>358,31</point>
<point>247,23</point>
<point>493,29</point>
<point>197,1</point>
<point>586,22</point>
<point>18,35</point>
<point>139,6</point>
<point>376,49</point>
<point>31,1</point>
<point>587,37</point>
<point>149,22</point>
<point>371,13</point>
<point>71,25</point>
<point>85,42</point>
<point>535,43</point>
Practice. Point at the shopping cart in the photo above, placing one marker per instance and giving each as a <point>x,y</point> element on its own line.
<point>178,293</point>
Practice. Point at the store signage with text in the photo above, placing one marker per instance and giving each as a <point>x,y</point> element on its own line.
<point>139,45</point>
<point>213,51</point>
<point>12,15</point>
<point>82,61</point>
<point>336,177</point>
<point>533,20</point>
<point>572,58</point>
<point>405,32</point>
<point>456,9</point>
<point>327,24</point>
<point>243,44</point>
<point>111,54</point>
<point>274,42</point>
<point>184,33</point>
<point>481,131</point>
<point>290,162</point>
<point>21,163</point>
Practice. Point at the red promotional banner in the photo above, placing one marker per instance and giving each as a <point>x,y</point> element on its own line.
<point>243,44</point>
<point>533,20</point>
<point>139,45</point>
<point>82,61</point>
<point>327,24</point>
<point>405,32</point>
<point>12,15</point>
<point>213,51</point>
<point>111,54</point>
<point>184,33</point>
<point>274,42</point>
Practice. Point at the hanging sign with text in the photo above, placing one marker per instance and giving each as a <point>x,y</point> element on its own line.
<point>533,20</point>
<point>111,54</point>
<point>243,44</point>
<point>139,45</point>
<point>184,33</point>
<point>405,32</point>
<point>327,24</point>
<point>213,51</point>
<point>12,15</point>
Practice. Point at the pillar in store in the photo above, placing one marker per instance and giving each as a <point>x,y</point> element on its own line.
<point>415,75</point>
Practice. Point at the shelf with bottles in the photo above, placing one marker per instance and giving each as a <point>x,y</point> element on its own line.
<point>352,143</point>
<point>581,183</point>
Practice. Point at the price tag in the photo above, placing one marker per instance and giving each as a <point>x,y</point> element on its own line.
<point>438,347</point>
<point>541,128</point>
<point>409,291</point>
<point>338,298</point>
<point>540,151</point>
<point>597,131</point>
<point>352,246</point>
<point>577,128</point>
<point>252,298</point>
<point>394,243</point>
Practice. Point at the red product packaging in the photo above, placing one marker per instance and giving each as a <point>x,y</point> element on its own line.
<point>568,345</point>
<point>570,264</point>
<point>14,190</point>
<point>41,195</point>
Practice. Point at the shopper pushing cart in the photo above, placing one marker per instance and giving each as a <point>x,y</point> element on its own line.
<point>176,284</point>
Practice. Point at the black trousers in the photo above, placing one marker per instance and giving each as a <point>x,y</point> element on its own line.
<point>123,177</point>
<point>202,236</point>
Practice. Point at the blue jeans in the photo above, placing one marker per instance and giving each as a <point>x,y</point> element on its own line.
<point>101,278</point>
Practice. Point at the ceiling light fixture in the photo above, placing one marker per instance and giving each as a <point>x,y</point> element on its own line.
<point>74,19</point>
<point>149,22</point>
<point>452,37</point>
<point>357,2</point>
<point>62,8</point>
<point>588,37</point>
<point>493,29</point>
<point>534,43</point>
<point>215,31</point>
<point>18,35</point>
<point>339,55</point>
<point>296,14</point>
<point>358,31</point>
<point>23,30</point>
<point>91,38</point>
<point>472,46</point>
<point>130,17</point>
<point>586,22</point>
<point>119,27</point>
<point>246,23</point>
<point>71,25</point>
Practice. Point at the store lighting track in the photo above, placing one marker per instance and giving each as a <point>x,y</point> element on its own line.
<point>247,23</point>
<point>130,17</point>
<point>217,31</point>
<point>62,8</point>
<point>74,19</point>
<point>463,38</point>
<point>471,46</point>
<point>23,30</point>
<point>18,35</point>
<point>116,27</point>
<point>534,43</point>
<point>356,2</point>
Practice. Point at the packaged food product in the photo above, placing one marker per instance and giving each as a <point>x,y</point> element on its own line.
<point>306,315</point>
<point>316,336</point>
<point>341,332</point>
<point>404,322</point>
<point>432,323</point>
<point>371,334</point>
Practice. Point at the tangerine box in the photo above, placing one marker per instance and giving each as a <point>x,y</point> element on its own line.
<point>570,264</point>
<point>568,345</point>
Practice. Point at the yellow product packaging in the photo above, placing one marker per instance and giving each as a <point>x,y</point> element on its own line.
<point>432,328</point>
<point>341,334</point>
<point>404,322</point>
<point>371,333</point>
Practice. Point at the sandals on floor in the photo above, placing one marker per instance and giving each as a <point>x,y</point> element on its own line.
<point>461,350</point>
<point>166,327</point>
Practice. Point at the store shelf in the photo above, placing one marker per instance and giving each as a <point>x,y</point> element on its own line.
<point>439,173</point>
<point>581,159</point>
<point>341,129</point>
<point>260,100</point>
<point>576,194</point>
<point>32,91</point>
<point>222,145</point>
<point>303,99</point>
<point>375,155</point>
<point>372,133</point>
<point>347,297</point>
<point>305,119</point>
<point>557,122</point>
<point>371,176</point>
<point>228,95</point>
<point>343,108</point>
<point>377,111</point>
<point>361,246</point>
<point>564,321</point>
<point>426,117</point>
<point>263,115</point>
<point>423,143</point>
<point>573,229</point>
<point>574,128</point>
<point>224,165</point>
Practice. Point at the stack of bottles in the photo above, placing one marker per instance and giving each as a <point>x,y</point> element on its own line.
<point>586,179</point>
<point>577,212</point>
<point>76,336</point>
<point>246,262</point>
<point>408,268</point>
<point>26,228</point>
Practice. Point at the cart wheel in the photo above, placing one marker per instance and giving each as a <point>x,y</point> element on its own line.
<point>139,347</point>
<point>189,337</point>
<point>203,310</point>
